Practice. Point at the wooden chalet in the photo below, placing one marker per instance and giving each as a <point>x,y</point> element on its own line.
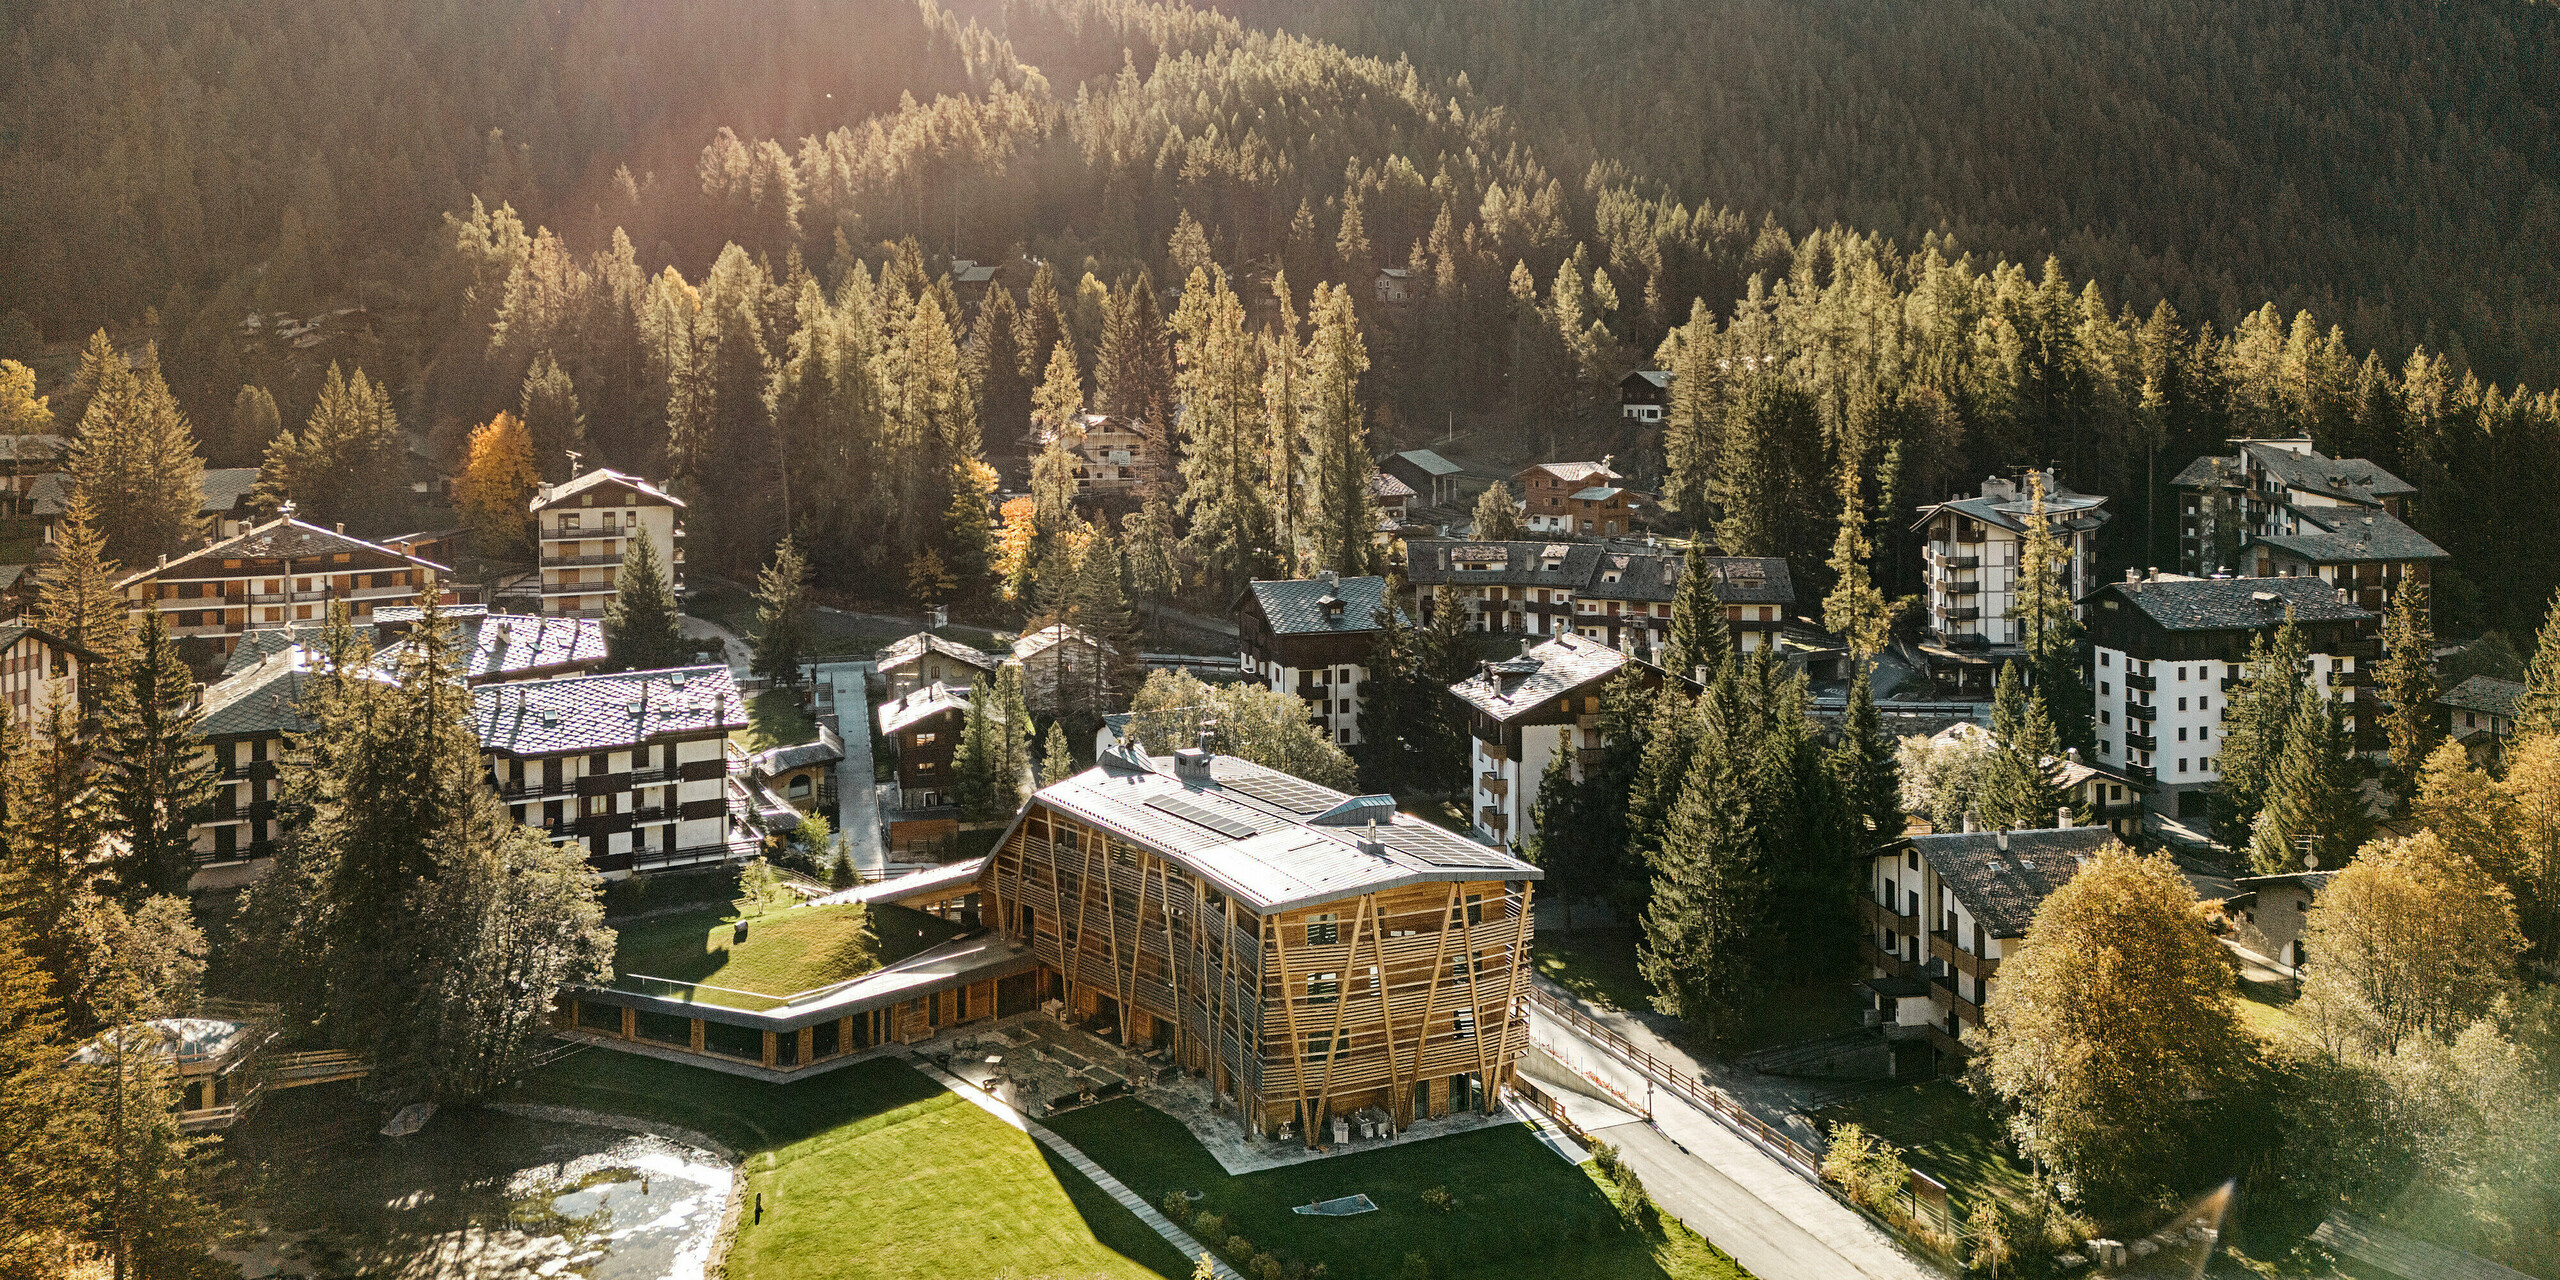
<point>1313,954</point>
<point>31,658</point>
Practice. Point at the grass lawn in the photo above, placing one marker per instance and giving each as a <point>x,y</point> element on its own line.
<point>1944,1133</point>
<point>873,1170</point>
<point>1598,965</point>
<point>2266,1011</point>
<point>1519,1210</point>
<point>785,951</point>
<point>774,719</point>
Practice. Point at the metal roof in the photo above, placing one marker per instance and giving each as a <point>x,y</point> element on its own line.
<point>2351,479</point>
<point>1431,463</point>
<point>1297,606</point>
<point>1253,833</point>
<point>552,495</point>
<point>1051,636</point>
<point>224,490</point>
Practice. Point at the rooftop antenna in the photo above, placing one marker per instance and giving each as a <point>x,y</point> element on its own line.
<point>574,457</point>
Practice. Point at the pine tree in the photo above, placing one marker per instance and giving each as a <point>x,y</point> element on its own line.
<point>1057,760</point>
<point>147,1201</point>
<point>2541,710</point>
<point>1444,656</point>
<point>76,596</point>
<point>782,615</point>
<point>1042,327</point>
<point>1864,763</point>
<point>1231,535</point>
<point>2409,683</point>
<point>1101,608</point>
<point>1856,609</point>
<point>1672,731</point>
<point>1497,520</point>
<point>1705,927</point>
<point>2048,622</point>
<point>2313,803</point>
<point>54,817</point>
<point>969,527</point>
<point>1060,399</point>
<point>44,1110</point>
<point>1395,703</point>
<point>1286,401</point>
<point>254,423</point>
<point>1701,639</point>
<point>1346,524</point>
<point>995,365</point>
<point>2260,716</point>
<point>498,484</point>
<point>1147,537</point>
<point>159,777</point>
<point>1556,830</point>
<point>640,629</point>
<point>347,463</point>
<point>549,407</point>
<point>1018,729</point>
<point>1133,369</point>
<point>22,411</point>
<point>975,763</point>
<point>2018,787</point>
<point>134,459</point>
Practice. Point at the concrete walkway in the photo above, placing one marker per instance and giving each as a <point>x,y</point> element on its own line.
<point>1730,1190</point>
<point>1181,1240</point>
<point>857,796</point>
<point>733,649</point>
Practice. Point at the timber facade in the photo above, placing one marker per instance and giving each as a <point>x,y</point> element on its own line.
<point>1311,954</point>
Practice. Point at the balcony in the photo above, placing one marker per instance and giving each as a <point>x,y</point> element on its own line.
<point>2142,773</point>
<point>1494,784</point>
<point>2143,711</point>
<point>1590,757</point>
<point>2141,742</point>
<point>1960,588</point>
<point>2147,684</point>
<point>2356,679</point>
<point>579,562</point>
<point>1960,562</point>
<point>1944,947</point>
<point>1879,916</point>
<point>1492,819</point>
<point>1875,957</point>
<point>2360,649</point>
<point>1966,614</point>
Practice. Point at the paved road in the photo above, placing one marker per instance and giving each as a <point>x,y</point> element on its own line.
<point>1729,1190</point>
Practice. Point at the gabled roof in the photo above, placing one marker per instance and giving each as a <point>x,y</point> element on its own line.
<point>914,647</point>
<point>2229,604</point>
<point>1431,463</point>
<point>1050,637</point>
<point>496,646</point>
<point>1432,561</point>
<point>14,631</point>
<point>558,494</point>
<point>280,538</point>
<point>41,446</point>
<point>826,750</point>
<point>2354,535</point>
<point>259,700</point>
<point>2003,887</point>
<point>604,712</point>
<point>2486,694</point>
<point>1383,485</point>
<point>2313,881</point>
<point>2346,479</point>
<point>1516,686</point>
<point>2009,506</point>
<point>1645,572</point>
<point>1660,378</point>
<point>1751,579</point>
<point>225,488</point>
<point>1297,606</point>
<point>924,704</point>
<point>1573,472</point>
<point>1251,831</point>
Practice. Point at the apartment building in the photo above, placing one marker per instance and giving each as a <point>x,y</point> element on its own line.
<point>1312,955</point>
<point>2168,652</point>
<point>1115,457</point>
<point>632,767</point>
<point>280,572</point>
<point>245,720</point>
<point>1521,711</point>
<point>922,728</point>
<point>2481,713</point>
<point>2277,507</point>
<point>1939,913</point>
<point>1618,593</point>
<point>585,524</point>
<point>1970,565</point>
<point>31,659</point>
<point>1310,638</point>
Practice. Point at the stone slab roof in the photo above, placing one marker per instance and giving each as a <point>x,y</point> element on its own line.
<point>2357,535</point>
<point>605,712</point>
<point>914,646</point>
<point>2229,604</point>
<point>2349,479</point>
<point>1515,686</point>
<point>924,704</point>
<point>2487,694</point>
<point>261,699</point>
<point>2002,887</point>
<point>1297,606</point>
<point>280,538</point>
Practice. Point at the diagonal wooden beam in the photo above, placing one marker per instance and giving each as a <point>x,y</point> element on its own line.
<point>1289,1009</point>
<point>1341,1003</point>
<point>1386,1015</point>
<point>1431,999</point>
<point>1519,977</point>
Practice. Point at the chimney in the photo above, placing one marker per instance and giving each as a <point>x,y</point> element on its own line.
<point>2152,574</point>
<point>1191,764</point>
<point>2062,818</point>
<point>1371,844</point>
<point>2071,754</point>
<point>2132,574</point>
<point>1969,823</point>
<point>1329,577</point>
<point>2003,838</point>
<point>342,526</point>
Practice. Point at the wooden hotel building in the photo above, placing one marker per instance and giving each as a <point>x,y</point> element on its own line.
<point>1312,954</point>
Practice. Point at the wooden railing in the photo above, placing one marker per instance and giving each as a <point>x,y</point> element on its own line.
<point>1804,1160</point>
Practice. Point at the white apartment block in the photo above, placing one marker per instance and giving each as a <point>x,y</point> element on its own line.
<point>584,526</point>
<point>1970,565</point>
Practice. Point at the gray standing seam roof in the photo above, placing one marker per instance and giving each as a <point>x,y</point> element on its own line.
<point>1297,606</point>
<point>2228,604</point>
<point>2003,887</point>
<point>1268,854</point>
<point>1431,463</point>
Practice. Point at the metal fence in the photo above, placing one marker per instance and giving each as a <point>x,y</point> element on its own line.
<point>1686,1085</point>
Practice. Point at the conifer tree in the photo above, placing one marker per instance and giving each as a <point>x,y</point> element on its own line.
<point>640,629</point>
<point>2260,715</point>
<point>76,596</point>
<point>22,411</point>
<point>1497,519</point>
<point>147,1200</point>
<point>44,1110</point>
<point>1701,639</point>
<point>969,527</point>
<point>1287,400</point>
<point>2541,710</point>
<point>1672,732</point>
<point>1101,607</point>
<point>1133,369</point>
<point>995,365</point>
<point>49,829</point>
<point>2409,683</point>
<point>1856,609</point>
<point>498,484</point>
<point>2018,787</point>
<point>1042,327</point>
<point>159,777</point>
<point>1057,759</point>
<point>254,422</point>
<point>134,459</point>
<point>2314,805</point>
<point>1396,703</point>
<point>1014,722</point>
<point>2048,622</point>
<point>782,615</point>
<point>1443,657</point>
<point>348,461</point>
<point>1864,763</point>
<point>975,762</point>
<point>1346,524</point>
<point>1060,398</point>
<point>1147,537</point>
<point>1231,535</point>
<point>1759,483</point>
<point>552,420</point>
<point>1706,925</point>
<point>1555,833</point>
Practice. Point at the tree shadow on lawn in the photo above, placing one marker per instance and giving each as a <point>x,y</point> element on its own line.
<point>1518,1209</point>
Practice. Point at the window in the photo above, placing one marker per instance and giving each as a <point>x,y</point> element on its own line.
<point>2106,748</point>
<point>2103,690</point>
<point>2182,704</point>
<point>2203,731</point>
<point>2182,734</point>
<point>1324,988</point>
<point>921,739</point>
<point>1319,1046</point>
<point>1466,1024</point>
<point>2182,764</point>
<point>2182,674</point>
<point>2106,659</point>
<point>1324,929</point>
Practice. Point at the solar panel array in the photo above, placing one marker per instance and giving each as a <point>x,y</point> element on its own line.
<point>1440,848</point>
<point>1232,826</point>
<point>1292,794</point>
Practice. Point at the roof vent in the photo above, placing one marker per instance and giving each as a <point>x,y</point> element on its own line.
<point>2003,839</point>
<point>1191,764</point>
<point>2265,597</point>
<point>550,719</point>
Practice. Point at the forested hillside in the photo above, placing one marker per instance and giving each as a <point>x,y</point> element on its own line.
<point>2393,167</point>
<point>713,245</point>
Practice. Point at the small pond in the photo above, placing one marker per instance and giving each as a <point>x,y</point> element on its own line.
<point>476,1195</point>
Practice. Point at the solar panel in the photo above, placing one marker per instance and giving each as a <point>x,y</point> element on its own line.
<point>1289,793</point>
<point>1441,849</point>
<point>1189,810</point>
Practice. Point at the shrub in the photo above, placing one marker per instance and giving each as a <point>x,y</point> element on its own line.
<point>1635,1204</point>
<point>1239,1248</point>
<point>1606,1157</point>
<point>1266,1267</point>
<point>1210,1227</point>
<point>1868,1168</point>
<point>1440,1199</point>
<point>1176,1207</point>
<point>1991,1236</point>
